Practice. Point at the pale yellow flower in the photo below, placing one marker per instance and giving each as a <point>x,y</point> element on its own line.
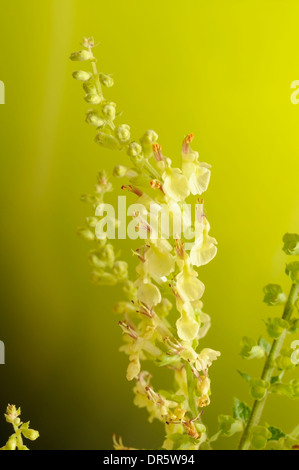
<point>175,184</point>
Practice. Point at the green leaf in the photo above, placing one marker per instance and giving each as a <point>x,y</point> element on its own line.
<point>244,376</point>
<point>241,410</point>
<point>292,270</point>
<point>291,243</point>
<point>275,433</point>
<point>274,295</point>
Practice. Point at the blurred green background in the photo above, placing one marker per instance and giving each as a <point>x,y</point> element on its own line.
<point>221,70</point>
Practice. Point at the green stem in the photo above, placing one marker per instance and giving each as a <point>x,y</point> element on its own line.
<point>191,392</point>
<point>268,370</point>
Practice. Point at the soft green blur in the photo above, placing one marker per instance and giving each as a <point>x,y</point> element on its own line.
<point>221,70</point>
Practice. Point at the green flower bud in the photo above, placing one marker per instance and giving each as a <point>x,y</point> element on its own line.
<point>92,98</point>
<point>95,260</point>
<point>274,295</point>
<point>109,111</point>
<point>81,55</point>
<point>259,437</point>
<point>88,198</point>
<point>91,221</point>
<point>123,307</point>
<point>11,443</point>
<point>30,434</point>
<point>103,278</point>
<point>85,233</point>
<point>106,80</point>
<point>276,326</point>
<point>108,141</point>
<point>123,133</point>
<point>294,325</point>
<point>120,269</point>
<point>119,171</point>
<point>107,255</point>
<point>284,361</point>
<point>250,349</point>
<point>295,387</point>
<point>90,87</point>
<point>292,270</point>
<point>94,119</point>
<point>88,42</point>
<point>134,149</point>
<point>258,388</point>
<point>81,75</point>
<point>149,138</point>
<point>291,244</point>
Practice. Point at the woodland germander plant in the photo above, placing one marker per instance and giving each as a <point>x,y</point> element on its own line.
<point>162,316</point>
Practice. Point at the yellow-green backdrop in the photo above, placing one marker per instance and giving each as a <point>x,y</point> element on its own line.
<point>219,69</point>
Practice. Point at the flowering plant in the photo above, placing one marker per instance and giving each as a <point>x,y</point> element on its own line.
<point>162,316</point>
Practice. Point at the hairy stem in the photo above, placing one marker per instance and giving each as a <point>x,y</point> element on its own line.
<point>268,370</point>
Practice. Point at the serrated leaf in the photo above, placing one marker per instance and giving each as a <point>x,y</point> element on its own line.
<point>275,433</point>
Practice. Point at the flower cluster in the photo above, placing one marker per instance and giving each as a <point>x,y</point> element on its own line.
<point>162,315</point>
<point>15,441</point>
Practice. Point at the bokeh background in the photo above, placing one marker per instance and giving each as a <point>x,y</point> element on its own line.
<point>221,70</point>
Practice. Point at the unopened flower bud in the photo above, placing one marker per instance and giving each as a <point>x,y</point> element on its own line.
<point>93,118</point>
<point>12,413</point>
<point>91,221</point>
<point>88,42</point>
<point>107,255</point>
<point>149,138</point>
<point>120,269</point>
<point>134,149</point>
<point>108,141</point>
<point>109,110</point>
<point>120,171</point>
<point>93,98</point>
<point>103,278</point>
<point>106,80</point>
<point>82,75</point>
<point>80,56</point>
<point>123,307</point>
<point>95,260</point>
<point>123,133</point>
<point>90,87</point>
<point>130,289</point>
<point>85,233</point>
